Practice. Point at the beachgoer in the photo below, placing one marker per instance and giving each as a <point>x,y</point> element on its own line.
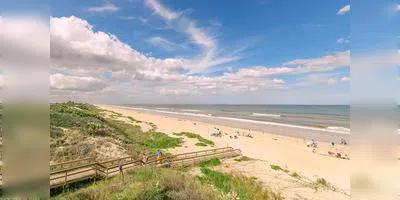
<point>343,141</point>
<point>145,158</point>
<point>333,144</point>
<point>159,156</point>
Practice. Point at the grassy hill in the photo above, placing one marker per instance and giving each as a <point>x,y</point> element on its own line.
<point>81,130</point>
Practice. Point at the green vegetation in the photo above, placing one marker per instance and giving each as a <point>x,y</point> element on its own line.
<point>236,187</point>
<point>77,129</point>
<point>200,144</point>
<point>211,162</point>
<point>160,140</point>
<point>243,158</point>
<point>322,181</point>
<point>80,130</point>
<point>197,136</point>
<point>134,120</point>
<point>279,168</point>
<point>295,175</point>
<point>146,183</point>
<point>276,167</point>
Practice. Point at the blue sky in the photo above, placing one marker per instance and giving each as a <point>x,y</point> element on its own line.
<point>260,51</point>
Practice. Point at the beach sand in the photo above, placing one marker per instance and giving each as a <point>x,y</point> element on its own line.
<point>288,152</point>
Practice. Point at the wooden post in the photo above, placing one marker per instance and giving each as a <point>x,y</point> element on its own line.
<point>121,171</point>
<point>65,180</point>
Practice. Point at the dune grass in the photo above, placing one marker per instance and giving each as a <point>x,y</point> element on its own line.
<point>82,122</point>
<point>236,186</point>
<point>146,183</point>
<point>160,140</point>
<point>200,144</point>
<point>196,136</point>
<point>279,168</point>
<point>243,158</point>
<point>210,162</point>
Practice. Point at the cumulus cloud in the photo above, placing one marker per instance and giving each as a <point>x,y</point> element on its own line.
<point>76,47</point>
<point>106,7</point>
<point>345,9</point>
<point>87,55</point>
<point>78,83</point>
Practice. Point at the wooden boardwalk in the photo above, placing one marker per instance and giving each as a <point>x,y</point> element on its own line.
<point>62,174</point>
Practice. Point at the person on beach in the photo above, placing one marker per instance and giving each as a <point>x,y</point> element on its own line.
<point>145,158</point>
<point>159,156</point>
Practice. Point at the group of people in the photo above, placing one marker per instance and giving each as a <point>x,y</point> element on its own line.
<point>160,158</point>
<point>335,152</point>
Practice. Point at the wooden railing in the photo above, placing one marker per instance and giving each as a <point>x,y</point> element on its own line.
<point>77,170</point>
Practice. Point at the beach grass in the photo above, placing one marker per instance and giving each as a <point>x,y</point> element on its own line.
<point>196,136</point>
<point>242,158</point>
<point>210,162</point>
<point>200,144</point>
<point>75,126</point>
<point>161,140</point>
<point>237,186</point>
<point>295,175</point>
<point>145,183</point>
<point>279,168</point>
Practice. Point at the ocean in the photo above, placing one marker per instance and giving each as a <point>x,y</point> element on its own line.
<point>330,118</point>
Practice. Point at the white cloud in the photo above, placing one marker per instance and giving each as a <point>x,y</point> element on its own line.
<point>62,82</point>
<point>168,91</point>
<point>201,36</point>
<point>162,10</point>
<point>345,79</point>
<point>320,64</point>
<point>77,48</point>
<point>397,7</point>
<point>343,41</point>
<point>163,43</point>
<point>345,9</point>
<point>106,7</point>
<point>86,55</point>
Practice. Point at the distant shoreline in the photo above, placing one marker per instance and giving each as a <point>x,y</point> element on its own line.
<point>320,134</point>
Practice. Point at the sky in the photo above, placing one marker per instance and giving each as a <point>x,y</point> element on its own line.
<point>200,52</point>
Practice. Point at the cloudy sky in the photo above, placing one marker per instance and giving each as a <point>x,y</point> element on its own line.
<point>180,51</point>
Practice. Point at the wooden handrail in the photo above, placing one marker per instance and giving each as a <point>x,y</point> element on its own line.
<point>110,167</point>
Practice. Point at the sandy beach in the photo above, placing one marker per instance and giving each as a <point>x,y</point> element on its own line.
<point>266,149</point>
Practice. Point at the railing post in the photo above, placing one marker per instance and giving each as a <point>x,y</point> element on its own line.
<point>65,180</point>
